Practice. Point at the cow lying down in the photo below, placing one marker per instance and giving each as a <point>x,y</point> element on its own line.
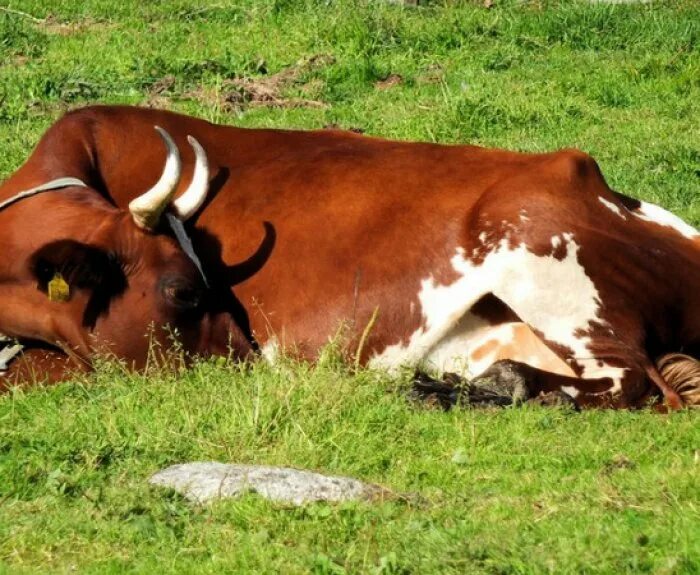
<point>525,270</point>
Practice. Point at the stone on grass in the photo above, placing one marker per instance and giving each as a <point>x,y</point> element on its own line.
<point>208,480</point>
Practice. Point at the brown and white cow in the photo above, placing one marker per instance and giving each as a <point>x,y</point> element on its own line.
<point>86,277</point>
<point>470,255</point>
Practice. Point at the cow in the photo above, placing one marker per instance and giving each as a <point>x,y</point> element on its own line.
<point>35,363</point>
<point>494,263</point>
<point>80,277</point>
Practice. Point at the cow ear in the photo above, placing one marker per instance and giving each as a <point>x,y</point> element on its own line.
<point>63,266</point>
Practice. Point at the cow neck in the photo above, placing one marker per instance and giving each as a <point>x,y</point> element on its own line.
<point>56,184</point>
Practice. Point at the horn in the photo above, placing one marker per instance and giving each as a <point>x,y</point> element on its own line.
<point>193,197</point>
<point>147,208</point>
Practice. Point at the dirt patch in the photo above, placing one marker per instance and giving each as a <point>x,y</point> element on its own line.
<point>389,82</point>
<point>52,25</point>
<point>339,127</point>
<point>15,61</point>
<point>616,463</point>
<point>433,74</point>
<point>159,93</point>
<point>268,90</point>
<point>208,96</point>
<point>253,92</point>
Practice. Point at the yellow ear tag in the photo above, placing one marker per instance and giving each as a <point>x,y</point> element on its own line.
<point>59,290</point>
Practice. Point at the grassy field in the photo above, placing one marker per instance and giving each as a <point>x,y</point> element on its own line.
<point>497,491</point>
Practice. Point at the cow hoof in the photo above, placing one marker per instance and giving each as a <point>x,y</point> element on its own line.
<point>432,392</point>
<point>554,399</point>
<point>504,383</point>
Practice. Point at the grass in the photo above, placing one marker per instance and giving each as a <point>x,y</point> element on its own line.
<point>510,491</point>
<point>501,491</point>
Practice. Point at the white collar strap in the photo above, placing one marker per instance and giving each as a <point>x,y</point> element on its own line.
<point>47,187</point>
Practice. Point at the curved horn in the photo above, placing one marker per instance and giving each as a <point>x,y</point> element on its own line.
<point>147,208</point>
<point>193,197</point>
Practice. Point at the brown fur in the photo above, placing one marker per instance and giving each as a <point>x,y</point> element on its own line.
<point>682,374</point>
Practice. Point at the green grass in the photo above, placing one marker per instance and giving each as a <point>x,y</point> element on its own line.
<point>499,491</point>
<point>510,491</point>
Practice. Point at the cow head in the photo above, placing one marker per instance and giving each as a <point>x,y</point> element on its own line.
<point>88,277</point>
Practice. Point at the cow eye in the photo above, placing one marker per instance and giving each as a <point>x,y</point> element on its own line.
<point>181,294</point>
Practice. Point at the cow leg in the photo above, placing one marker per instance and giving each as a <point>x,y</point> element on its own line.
<point>433,392</point>
<point>509,388</point>
<point>509,382</point>
<point>519,381</point>
<point>505,384</point>
<point>545,387</point>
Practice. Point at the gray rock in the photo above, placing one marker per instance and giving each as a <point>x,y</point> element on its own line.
<point>208,480</point>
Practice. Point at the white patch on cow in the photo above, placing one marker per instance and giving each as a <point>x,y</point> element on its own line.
<point>451,353</point>
<point>556,241</point>
<point>517,342</point>
<point>554,296</point>
<point>483,236</point>
<point>502,335</point>
<point>570,390</point>
<point>523,216</point>
<point>443,344</point>
<point>657,215</point>
<point>271,350</point>
<point>612,207</point>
